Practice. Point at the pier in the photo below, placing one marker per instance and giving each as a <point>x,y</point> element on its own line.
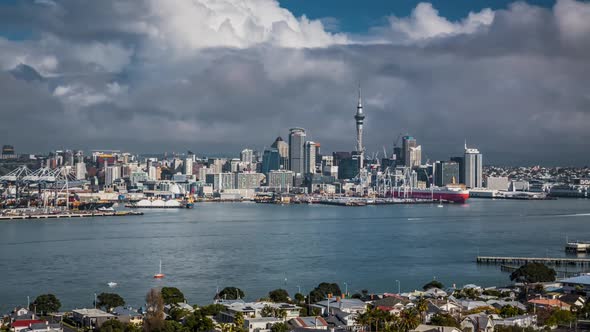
<point>69,215</point>
<point>508,260</point>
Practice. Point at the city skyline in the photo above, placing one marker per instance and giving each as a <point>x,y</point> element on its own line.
<point>166,76</point>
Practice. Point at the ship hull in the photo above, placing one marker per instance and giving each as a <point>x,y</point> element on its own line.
<point>436,195</point>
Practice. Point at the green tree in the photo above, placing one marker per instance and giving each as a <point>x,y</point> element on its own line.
<point>112,325</point>
<point>269,311</point>
<point>409,319</point>
<point>300,298</point>
<point>279,327</point>
<point>46,303</point>
<point>154,317</point>
<point>199,322</point>
<point>173,326</point>
<point>212,309</point>
<point>323,290</point>
<point>109,301</point>
<point>433,284</point>
<point>239,321</point>
<point>172,295</point>
<point>177,314</point>
<point>510,311</point>
<point>278,295</point>
<point>231,293</point>
<point>422,307</point>
<point>444,319</point>
<point>532,273</point>
<point>560,317</point>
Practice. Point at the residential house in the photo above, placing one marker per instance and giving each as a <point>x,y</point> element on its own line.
<point>128,315</point>
<point>432,328</point>
<point>316,323</point>
<point>44,327</point>
<point>348,306</point>
<point>549,303</point>
<point>91,318</point>
<point>435,293</point>
<point>577,285</point>
<point>478,323</point>
<point>573,300</point>
<point>261,324</point>
<point>23,324</point>
<point>253,309</point>
<point>523,321</point>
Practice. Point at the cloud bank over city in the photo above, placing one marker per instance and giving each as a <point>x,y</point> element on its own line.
<point>219,76</point>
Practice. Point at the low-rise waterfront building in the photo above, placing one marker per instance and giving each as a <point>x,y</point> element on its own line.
<point>91,318</point>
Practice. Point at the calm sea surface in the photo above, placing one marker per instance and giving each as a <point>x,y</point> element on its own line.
<point>260,247</point>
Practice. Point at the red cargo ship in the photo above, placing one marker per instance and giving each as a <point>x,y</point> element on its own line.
<point>445,194</point>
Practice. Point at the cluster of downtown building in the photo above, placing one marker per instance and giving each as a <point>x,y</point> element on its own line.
<point>295,165</point>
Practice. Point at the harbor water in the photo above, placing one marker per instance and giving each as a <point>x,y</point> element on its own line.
<point>260,247</point>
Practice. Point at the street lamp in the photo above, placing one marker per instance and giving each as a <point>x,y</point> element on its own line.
<point>398,287</point>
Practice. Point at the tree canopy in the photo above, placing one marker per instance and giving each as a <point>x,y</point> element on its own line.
<point>279,295</point>
<point>533,272</point>
<point>211,309</point>
<point>46,303</point>
<point>279,327</point>
<point>172,295</point>
<point>433,284</point>
<point>231,293</point>
<point>444,319</point>
<point>109,301</point>
<point>154,318</point>
<point>198,322</point>
<point>322,290</point>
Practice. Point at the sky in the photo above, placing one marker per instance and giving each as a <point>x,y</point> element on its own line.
<point>218,76</point>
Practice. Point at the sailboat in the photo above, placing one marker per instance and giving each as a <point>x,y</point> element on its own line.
<point>112,284</point>
<point>440,204</point>
<point>159,275</point>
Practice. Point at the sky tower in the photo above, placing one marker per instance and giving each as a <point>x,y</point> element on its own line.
<point>359,118</point>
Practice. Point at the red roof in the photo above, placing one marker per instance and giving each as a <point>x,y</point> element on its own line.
<point>26,322</point>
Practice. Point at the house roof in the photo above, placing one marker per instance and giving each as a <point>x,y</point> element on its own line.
<point>121,311</point>
<point>26,322</point>
<point>550,302</point>
<point>582,280</point>
<point>92,313</point>
<point>309,321</point>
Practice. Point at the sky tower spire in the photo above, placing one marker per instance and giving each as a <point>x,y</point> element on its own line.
<point>359,118</point>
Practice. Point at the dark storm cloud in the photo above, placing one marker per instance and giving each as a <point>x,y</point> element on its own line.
<point>514,88</point>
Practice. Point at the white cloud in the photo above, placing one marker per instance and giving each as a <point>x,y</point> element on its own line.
<point>198,24</point>
<point>573,20</point>
<point>425,22</point>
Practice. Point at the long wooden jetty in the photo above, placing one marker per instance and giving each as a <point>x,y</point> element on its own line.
<point>70,215</point>
<point>523,260</point>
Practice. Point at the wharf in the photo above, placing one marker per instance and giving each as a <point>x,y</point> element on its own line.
<point>70,215</point>
<point>505,260</point>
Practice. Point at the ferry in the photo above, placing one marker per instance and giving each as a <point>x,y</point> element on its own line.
<point>440,194</point>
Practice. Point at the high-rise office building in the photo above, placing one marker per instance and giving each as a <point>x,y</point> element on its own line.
<point>310,155</point>
<point>446,172</point>
<point>247,156</point>
<point>280,180</point>
<point>415,157</point>
<point>296,150</point>
<point>408,142</point>
<point>188,166</point>
<point>283,149</point>
<point>473,165</point>
<point>111,173</point>
<point>80,171</point>
<point>461,162</point>
<point>271,161</point>
<point>250,180</point>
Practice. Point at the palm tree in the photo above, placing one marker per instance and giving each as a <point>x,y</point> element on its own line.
<point>409,319</point>
<point>422,307</point>
<point>363,320</point>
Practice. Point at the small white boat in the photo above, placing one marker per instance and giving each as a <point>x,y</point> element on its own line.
<point>106,209</point>
<point>112,284</point>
